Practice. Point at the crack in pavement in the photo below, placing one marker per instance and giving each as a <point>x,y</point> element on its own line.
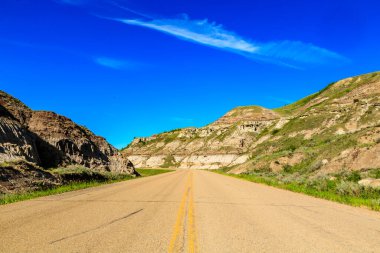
<point>99,227</point>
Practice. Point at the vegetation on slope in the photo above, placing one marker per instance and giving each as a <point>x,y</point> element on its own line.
<point>341,187</point>
<point>314,131</point>
<point>331,91</point>
<point>75,178</point>
<point>327,145</point>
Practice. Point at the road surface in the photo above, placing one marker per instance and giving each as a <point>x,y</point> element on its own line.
<point>186,211</point>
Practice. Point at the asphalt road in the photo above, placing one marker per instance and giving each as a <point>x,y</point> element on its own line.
<point>186,211</point>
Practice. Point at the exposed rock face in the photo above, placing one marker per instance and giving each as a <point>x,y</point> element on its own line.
<point>16,142</point>
<point>15,108</point>
<point>335,129</point>
<point>50,140</point>
<point>120,164</point>
<point>62,142</point>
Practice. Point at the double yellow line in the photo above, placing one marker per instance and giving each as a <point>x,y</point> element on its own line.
<point>185,215</point>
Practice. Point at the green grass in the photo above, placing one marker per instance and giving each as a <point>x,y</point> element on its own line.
<point>289,109</point>
<point>329,92</point>
<point>152,172</point>
<point>332,191</point>
<point>113,178</point>
<point>11,198</point>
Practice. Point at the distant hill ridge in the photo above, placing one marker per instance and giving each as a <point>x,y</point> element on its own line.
<point>336,128</point>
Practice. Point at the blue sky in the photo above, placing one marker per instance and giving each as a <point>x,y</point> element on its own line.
<point>128,68</point>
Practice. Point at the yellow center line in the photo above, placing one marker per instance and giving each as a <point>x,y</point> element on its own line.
<point>190,222</point>
<point>187,198</point>
<point>179,220</point>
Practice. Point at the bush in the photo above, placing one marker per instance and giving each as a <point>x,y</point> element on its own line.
<point>169,161</point>
<point>375,203</point>
<point>287,168</point>
<point>354,176</point>
<point>325,185</point>
<point>348,189</point>
<point>315,166</point>
<point>375,173</point>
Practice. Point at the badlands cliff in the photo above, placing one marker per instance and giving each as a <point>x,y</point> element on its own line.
<point>336,128</point>
<point>49,140</point>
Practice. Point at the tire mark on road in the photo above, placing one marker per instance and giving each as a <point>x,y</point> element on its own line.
<point>99,227</point>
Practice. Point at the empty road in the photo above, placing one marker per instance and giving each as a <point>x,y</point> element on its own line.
<point>186,211</point>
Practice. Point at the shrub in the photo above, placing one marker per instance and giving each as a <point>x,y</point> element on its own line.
<point>348,189</point>
<point>354,176</point>
<point>375,173</point>
<point>315,166</point>
<point>310,183</point>
<point>375,203</point>
<point>169,161</point>
<point>287,168</point>
<point>324,184</point>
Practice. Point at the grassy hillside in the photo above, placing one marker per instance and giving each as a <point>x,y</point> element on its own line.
<point>343,116</point>
<point>328,145</point>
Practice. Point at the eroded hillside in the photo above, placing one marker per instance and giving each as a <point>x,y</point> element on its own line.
<point>224,142</point>
<point>336,128</point>
<point>49,140</point>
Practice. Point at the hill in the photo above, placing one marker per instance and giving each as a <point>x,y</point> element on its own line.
<point>29,139</point>
<point>335,129</point>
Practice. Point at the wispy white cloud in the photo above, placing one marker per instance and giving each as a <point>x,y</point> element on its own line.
<point>199,31</point>
<point>114,63</point>
<point>289,53</point>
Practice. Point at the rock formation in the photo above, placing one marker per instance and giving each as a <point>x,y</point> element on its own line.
<point>222,143</point>
<point>16,142</point>
<point>50,140</point>
<point>335,129</point>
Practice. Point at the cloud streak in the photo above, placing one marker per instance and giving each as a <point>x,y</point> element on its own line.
<point>289,53</point>
<point>199,31</point>
<point>295,54</point>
